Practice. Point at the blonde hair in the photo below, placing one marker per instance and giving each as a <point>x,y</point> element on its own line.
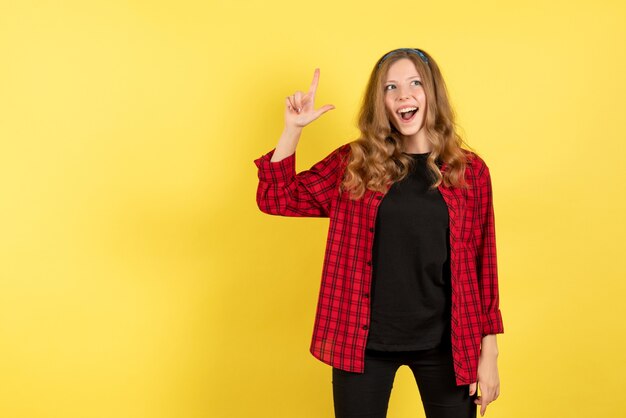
<point>377,160</point>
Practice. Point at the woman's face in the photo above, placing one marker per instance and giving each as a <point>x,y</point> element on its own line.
<point>405,99</point>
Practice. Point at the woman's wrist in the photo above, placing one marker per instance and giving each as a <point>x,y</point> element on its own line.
<point>292,132</point>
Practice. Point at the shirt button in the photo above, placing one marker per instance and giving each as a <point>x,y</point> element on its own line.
<point>369,262</point>
<point>366,295</point>
<point>379,197</point>
<point>365,327</point>
<point>371,229</point>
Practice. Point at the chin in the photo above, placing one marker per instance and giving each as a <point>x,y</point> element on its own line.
<point>409,132</point>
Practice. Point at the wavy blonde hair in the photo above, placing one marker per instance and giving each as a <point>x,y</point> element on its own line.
<point>377,160</point>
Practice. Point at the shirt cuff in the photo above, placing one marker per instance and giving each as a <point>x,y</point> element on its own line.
<point>492,323</point>
<point>277,171</point>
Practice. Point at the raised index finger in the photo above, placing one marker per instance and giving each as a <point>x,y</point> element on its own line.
<point>316,79</point>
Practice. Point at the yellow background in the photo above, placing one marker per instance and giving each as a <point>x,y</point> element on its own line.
<point>139,279</point>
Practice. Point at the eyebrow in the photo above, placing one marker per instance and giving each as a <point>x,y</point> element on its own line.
<point>415,76</point>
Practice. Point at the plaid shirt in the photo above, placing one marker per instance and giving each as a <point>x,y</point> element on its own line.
<point>343,310</point>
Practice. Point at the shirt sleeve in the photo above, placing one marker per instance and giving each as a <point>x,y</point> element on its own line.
<point>309,193</point>
<point>487,267</point>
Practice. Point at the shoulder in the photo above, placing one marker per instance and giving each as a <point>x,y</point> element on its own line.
<point>333,160</point>
<point>476,170</point>
<point>339,151</point>
<point>343,150</point>
<point>340,154</point>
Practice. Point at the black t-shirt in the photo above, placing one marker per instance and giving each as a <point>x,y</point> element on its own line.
<point>410,255</point>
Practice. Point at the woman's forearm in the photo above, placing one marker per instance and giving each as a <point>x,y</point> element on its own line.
<point>489,345</point>
<point>287,143</point>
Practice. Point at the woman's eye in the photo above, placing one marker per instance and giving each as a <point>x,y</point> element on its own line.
<point>389,87</point>
<point>417,82</point>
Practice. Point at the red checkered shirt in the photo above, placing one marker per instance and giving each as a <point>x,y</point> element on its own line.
<point>343,310</point>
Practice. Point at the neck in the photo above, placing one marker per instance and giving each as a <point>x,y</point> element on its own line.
<point>417,144</point>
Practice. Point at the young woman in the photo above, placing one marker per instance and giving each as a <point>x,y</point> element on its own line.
<point>410,273</point>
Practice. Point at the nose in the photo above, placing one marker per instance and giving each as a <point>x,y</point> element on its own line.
<point>403,93</point>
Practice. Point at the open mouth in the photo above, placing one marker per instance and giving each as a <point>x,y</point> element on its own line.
<point>408,113</point>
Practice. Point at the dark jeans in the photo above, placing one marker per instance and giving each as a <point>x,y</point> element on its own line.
<point>367,394</point>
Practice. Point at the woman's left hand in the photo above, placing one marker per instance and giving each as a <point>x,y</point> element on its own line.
<point>488,381</point>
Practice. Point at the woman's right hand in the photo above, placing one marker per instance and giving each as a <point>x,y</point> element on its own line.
<point>300,111</point>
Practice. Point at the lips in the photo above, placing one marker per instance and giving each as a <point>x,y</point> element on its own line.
<point>407,113</point>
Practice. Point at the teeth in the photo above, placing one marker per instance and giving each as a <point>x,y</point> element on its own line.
<point>407,109</point>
